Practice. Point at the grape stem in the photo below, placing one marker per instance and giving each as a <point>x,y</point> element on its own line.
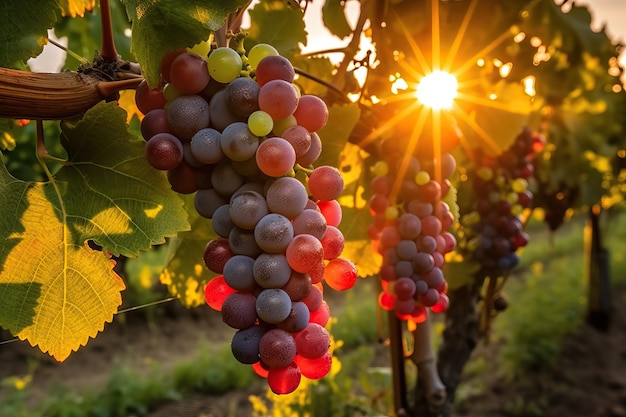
<point>299,167</point>
<point>108,53</point>
<point>352,48</point>
<point>326,84</point>
<point>424,358</point>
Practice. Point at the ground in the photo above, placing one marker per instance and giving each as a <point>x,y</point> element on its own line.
<point>589,381</point>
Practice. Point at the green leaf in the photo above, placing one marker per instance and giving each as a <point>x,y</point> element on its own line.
<point>110,193</point>
<point>334,18</point>
<point>24,30</point>
<point>335,135</point>
<point>55,292</point>
<point>186,274</point>
<point>162,26</point>
<point>279,24</point>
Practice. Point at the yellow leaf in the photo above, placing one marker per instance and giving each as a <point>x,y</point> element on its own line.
<point>75,8</point>
<point>78,290</point>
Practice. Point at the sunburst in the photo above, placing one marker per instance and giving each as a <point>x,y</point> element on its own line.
<point>419,94</point>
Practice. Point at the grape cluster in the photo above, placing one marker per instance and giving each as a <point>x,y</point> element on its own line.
<point>409,230</point>
<point>500,184</point>
<point>236,142</point>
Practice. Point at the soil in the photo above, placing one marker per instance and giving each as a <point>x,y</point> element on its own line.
<point>588,381</point>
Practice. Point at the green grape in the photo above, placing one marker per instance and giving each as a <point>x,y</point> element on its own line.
<point>258,52</point>
<point>422,178</point>
<point>260,123</point>
<point>224,64</point>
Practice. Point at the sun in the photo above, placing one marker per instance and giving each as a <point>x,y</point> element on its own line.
<point>437,90</point>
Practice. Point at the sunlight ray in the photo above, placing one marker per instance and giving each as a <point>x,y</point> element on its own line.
<point>388,124</point>
<point>510,108</point>
<point>436,41</point>
<point>419,55</point>
<point>484,136</point>
<point>459,35</point>
<point>410,149</point>
<point>491,46</point>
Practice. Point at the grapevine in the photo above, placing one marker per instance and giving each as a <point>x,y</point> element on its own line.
<point>493,229</point>
<point>233,129</point>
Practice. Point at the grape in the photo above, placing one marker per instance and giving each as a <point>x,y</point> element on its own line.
<point>314,299</point>
<point>298,286</point>
<point>273,233</point>
<point>242,96</point>
<point>313,341</point>
<point>340,274</point>
<point>315,368</point>
<point>284,380</point>
<point>260,123</point>
<point>298,318</point>
<point>258,52</point>
<point>321,315</point>
<point>311,222</point>
<point>275,157</point>
<point>314,152</point>
<point>325,183</point>
<point>242,242</point>
<point>237,142</point>
<point>287,196</point>
<point>220,220</point>
<point>278,98</point>
<point>166,63</point>
<point>224,64</point>
<point>271,270</point>
<point>239,310</point>
<point>183,179</point>
<point>207,201</point>
<point>299,138</point>
<point>155,121</point>
<point>283,124</point>
<point>245,344</point>
<point>186,115</point>
<point>216,291</point>
<point>273,305</point>
<point>331,210</point>
<point>277,348</point>
<point>311,113</point>
<point>220,116</point>
<point>216,253</point>
<point>206,146</point>
<point>247,208</point>
<point>189,158</point>
<point>164,151</point>
<point>188,73</point>
<point>148,99</point>
<point>225,179</point>
<point>274,67</point>
<point>238,273</point>
<point>303,252</point>
<point>332,243</point>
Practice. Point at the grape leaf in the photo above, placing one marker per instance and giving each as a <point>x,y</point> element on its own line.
<point>166,25</point>
<point>185,274</point>
<point>334,136</point>
<point>55,292</point>
<point>24,30</point>
<point>110,193</point>
<point>334,18</point>
<point>279,24</point>
<point>75,8</point>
